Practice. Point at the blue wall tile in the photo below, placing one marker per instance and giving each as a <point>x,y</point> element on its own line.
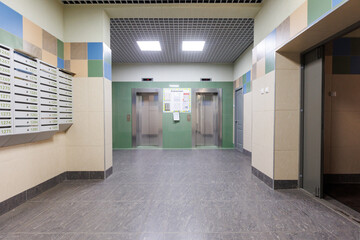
<point>95,51</point>
<point>336,2</point>
<point>107,71</point>
<point>60,63</point>
<point>270,41</point>
<point>248,76</point>
<point>107,54</point>
<point>342,47</point>
<point>11,21</point>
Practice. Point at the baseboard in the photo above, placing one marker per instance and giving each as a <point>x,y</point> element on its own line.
<point>263,177</point>
<point>286,184</point>
<point>341,178</point>
<point>109,172</point>
<point>85,175</point>
<point>247,153</point>
<point>274,184</point>
<point>26,195</point>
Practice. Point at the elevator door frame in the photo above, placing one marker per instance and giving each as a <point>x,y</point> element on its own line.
<point>217,91</point>
<point>134,93</point>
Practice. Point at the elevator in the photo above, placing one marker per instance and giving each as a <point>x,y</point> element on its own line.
<point>146,117</point>
<point>206,124</point>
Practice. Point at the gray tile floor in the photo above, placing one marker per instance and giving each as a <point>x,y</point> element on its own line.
<point>173,195</point>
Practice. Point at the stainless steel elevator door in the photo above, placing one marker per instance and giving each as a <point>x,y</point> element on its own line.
<point>147,113</point>
<point>207,117</point>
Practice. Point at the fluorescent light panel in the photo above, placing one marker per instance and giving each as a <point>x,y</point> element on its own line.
<point>196,46</point>
<point>149,45</point>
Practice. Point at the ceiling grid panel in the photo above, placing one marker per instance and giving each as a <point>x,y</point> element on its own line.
<point>226,39</point>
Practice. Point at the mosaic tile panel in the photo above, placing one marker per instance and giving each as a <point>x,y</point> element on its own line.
<point>317,8</point>
<point>245,81</point>
<point>32,33</point>
<point>32,49</point>
<point>11,21</point>
<point>10,40</point>
<point>95,51</point>
<point>78,51</point>
<point>95,68</point>
<point>60,49</point>
<point>346,56</point>
<point>49,43</point>
<point>283,32</point>
<point>336,2</point>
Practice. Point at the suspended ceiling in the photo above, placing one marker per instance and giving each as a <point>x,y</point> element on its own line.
<point>155,1</point>
<point>225,39</point>
<point>227,29</point>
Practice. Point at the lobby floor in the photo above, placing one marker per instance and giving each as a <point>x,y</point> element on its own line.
<point>175,195</point>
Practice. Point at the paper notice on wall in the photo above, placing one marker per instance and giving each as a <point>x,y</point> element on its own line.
<point>185,107</point>
<point>176,107</point>
<point>177,100</point>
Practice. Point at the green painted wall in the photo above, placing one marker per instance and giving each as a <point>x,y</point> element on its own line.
<point>175,135</point>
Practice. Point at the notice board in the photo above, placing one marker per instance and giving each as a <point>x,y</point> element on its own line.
<point>177,100</point>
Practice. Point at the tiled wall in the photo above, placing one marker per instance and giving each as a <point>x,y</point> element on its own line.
<point>319,8</point>
<point>85,59</point>
<point>281,161</point>
<point>88,59</point>
<point>88,143</point>
<point>346,56</point>
<point>341,113</point>
<point>244,81</point>
<point>175,135</point>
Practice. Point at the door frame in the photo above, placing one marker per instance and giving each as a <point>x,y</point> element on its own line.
<point>194,91</point>
<point>134,92</point>
<point>321,50</point>
<point>238,89</point>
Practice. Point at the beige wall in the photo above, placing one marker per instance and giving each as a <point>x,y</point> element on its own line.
<point>85,139</point>
<point>287,116</point>
<point>345,125</point>
<point>248,121</point>
<point>86,24</point>
<point>48,14</point>
<point>293,36</point>
<point>263,124</point>
<point>108,123</point>
<point>342,119</point>
<point>27,165</point>
<point>271,15</point>
<point>87,145</point>
<point>243,64</point>
<point>172,72</point>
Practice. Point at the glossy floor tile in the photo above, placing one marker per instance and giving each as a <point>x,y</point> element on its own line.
<point>175,195</point>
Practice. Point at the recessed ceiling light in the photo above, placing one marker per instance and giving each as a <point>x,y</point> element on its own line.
<point>193,45</point>
<point>149,45</point>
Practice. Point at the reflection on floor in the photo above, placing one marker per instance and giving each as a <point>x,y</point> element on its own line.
<point>173,195</point>
<point>348,194</point>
